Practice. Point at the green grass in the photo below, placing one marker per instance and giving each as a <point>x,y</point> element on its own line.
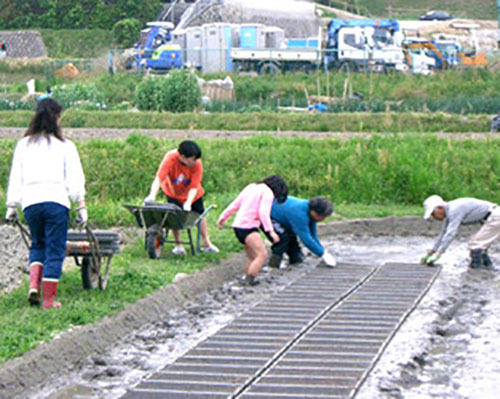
<point>384,122</point>
<point>410,9</point>
<point>77,43</point>
<point>386,169</point>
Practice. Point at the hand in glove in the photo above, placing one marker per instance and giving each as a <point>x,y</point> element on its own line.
<point>433,258</point>
<point>424,259</point>
<point>149,198</point>
<point>82,216</point>
<point>329,260</point>
<point>186,206</point>
<point>11,214</point>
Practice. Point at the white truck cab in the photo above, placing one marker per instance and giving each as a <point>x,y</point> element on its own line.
<point>369,47</point>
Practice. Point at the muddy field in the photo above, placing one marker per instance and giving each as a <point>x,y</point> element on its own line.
<point>447,348</point>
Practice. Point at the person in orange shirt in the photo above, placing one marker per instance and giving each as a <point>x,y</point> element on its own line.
<point>179,176</point>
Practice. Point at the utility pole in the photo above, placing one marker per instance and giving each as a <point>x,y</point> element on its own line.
<point>352,6</point>
<point>498,19</point>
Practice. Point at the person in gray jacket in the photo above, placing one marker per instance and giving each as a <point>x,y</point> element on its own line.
<point>464,211</point>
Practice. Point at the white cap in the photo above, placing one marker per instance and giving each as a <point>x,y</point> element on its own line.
<point>432,203</point>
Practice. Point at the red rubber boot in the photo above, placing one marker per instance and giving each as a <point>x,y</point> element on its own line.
<point>50,293</point>
<point>36,271</point>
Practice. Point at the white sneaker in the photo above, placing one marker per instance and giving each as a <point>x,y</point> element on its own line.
<point>212,249</point>
<point>179,250</point>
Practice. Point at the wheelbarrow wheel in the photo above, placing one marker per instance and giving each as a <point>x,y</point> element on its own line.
<point>90,274</point>
<point>154,245</point>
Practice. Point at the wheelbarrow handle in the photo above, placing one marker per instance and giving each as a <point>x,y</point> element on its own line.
<point>198,220</point>
<point>197,224</point>
<point>25,234</point>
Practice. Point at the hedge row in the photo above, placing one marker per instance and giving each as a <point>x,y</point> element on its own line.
<point>380,170</point>
<point>388,122</point>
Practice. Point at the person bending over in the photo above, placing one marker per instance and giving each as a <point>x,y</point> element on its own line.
<point>253,206</point>
<point>298,218</point>
<point>463,211</point>
<point>179,176</point>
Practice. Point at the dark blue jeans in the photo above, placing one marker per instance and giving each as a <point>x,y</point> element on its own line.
<point>48,224</point>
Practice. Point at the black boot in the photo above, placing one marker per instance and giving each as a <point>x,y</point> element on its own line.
<point>296,258</point>
<point>275,261</point>
<point>476,259</point>
<point>487,263</point>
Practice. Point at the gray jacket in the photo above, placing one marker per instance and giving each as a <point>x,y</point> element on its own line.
<point>461,211</point>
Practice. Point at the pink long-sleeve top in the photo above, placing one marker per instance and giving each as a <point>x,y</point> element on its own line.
<point>254,207</point>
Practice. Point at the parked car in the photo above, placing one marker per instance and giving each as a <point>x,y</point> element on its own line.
<point>436,16</point>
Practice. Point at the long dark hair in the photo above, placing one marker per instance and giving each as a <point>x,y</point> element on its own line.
<point>278,186</point>
<point>45,122</point>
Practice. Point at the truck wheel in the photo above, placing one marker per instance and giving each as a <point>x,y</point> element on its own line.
<point>237,67</point>
<point>269,68</point>
<point>89,273</point>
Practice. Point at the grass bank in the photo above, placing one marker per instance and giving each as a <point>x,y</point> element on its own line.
<point>387,122</point>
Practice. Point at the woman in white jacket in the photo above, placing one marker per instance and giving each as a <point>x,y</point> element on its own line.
<point>46,174</point>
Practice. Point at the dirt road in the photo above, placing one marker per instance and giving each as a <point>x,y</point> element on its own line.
<point>84,134</point>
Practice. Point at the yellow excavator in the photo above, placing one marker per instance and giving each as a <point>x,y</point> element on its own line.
<point>431,49</point>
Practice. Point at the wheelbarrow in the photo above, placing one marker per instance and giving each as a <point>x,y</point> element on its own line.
<point>158,218</point>
<point>91,250</point>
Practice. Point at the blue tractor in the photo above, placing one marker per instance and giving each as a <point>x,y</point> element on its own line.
<point>159,53</point>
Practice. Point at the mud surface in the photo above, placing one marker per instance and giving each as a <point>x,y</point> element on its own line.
<point>13,259</point>
<point>83,134</point>
<point>447,348</point>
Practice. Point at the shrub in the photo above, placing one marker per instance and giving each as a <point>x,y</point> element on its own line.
<point>126,32</point>
<point>85,96</point>
<point>177,92</point>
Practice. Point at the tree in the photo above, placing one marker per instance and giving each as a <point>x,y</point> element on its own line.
<point>126,32</point>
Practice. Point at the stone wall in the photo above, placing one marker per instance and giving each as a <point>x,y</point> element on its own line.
<point>23,44</point>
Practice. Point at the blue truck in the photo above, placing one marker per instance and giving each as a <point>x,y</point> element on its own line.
<point>159,53</point>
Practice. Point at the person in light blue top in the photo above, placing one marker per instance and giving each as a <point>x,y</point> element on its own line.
<point>298,218</point>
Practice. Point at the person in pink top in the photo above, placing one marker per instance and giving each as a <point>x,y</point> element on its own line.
<point>253,206</point>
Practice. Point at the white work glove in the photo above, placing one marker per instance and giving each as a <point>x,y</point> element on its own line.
<point>11,214</point>
<point>186,206</point>
<point>149,198</point>
<point>329,260</point>
<point>82,216</point>
<point>433,258</point>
